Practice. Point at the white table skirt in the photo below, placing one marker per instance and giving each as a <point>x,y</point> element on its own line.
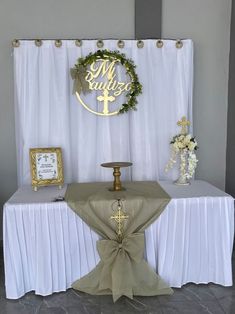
<point>47,246</point>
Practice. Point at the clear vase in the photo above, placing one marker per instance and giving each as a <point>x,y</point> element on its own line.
<point>182,180</point>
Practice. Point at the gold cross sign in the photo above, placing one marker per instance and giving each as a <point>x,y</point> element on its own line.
<point>184,123</point>
<point>106,98</point>
<point>119,217</point>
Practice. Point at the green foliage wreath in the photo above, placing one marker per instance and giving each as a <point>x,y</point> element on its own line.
<point>78,73</point>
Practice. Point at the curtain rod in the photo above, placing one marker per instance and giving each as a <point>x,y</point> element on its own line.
<point>100,42</point>
<point>32,39</point>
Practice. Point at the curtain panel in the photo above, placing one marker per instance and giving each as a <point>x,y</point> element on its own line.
<point>47,114</point>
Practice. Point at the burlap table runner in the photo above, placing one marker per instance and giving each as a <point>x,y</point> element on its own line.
<point>122,269</point>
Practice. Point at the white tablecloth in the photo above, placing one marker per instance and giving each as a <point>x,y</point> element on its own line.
<point>47,246</point>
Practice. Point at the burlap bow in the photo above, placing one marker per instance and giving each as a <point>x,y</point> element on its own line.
<point>118,258</point>
<point>80,84</point>
<point>122,269</point>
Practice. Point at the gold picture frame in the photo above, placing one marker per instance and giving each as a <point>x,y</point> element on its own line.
<point>46,166</point>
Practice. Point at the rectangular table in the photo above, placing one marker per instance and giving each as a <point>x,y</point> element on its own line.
<point>47,246</point>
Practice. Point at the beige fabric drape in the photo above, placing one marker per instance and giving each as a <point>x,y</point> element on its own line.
<point>122,269</point>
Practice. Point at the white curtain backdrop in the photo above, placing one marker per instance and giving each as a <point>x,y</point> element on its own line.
<point>48,115</point>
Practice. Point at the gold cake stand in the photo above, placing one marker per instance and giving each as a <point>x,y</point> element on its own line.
<point>117,185</point>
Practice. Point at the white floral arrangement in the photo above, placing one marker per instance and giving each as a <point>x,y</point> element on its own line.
<point>184,145</point>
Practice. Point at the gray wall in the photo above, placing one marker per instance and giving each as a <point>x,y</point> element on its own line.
<point>230,169</point>
<point>148,17</point>
<point>48,19</point>
<point>207,22</point>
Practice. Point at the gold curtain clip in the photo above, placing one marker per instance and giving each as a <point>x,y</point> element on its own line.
<point>140,44</point>
<point>100,43</point>
<point>179,44</point>
<point>121,44</point>
<point>58,43</point>
<point>78,42</point>
<point>38,42</point>
<point>15,43</point>
<point>159,43</point>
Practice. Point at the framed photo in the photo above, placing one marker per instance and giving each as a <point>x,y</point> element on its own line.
<point>46,166</point>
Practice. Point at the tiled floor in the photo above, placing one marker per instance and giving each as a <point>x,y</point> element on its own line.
<point>190,299</point>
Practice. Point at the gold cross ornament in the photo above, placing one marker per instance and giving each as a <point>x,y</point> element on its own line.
<point>119,217</point>
<point>184,123</point>
<point>106,98</point>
